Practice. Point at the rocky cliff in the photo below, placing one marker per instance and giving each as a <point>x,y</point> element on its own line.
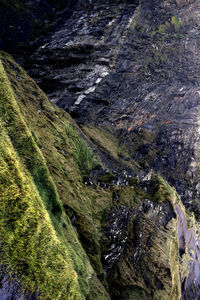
<point>108,208</point>
<point>132,69</point>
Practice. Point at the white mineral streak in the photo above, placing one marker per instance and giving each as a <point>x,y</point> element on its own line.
<point>80,98</point>
<point>101,72</point>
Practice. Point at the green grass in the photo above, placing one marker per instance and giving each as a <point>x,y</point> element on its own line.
<point>176,22</point>
<point>31,248</point>
<point>162,190</point>
<point>109,144</point>
<point>82,154</point>
<point>40,246</point>
<point>68,159</point>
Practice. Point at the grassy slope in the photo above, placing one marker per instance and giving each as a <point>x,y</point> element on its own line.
<point>40,245</point>
<point>109,145</point>
<point>67,156</point>
<point>43,161</point>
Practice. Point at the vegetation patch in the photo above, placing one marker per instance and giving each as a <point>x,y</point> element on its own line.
<point>40,246</point>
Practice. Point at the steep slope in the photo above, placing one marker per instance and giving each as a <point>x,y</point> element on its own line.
<point>130,70</point>
<point>41,257</point>
<point>71,229</point>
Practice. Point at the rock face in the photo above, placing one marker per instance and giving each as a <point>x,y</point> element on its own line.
<point>133,68</point>
<point>107,225</point>
<point>133,256</point>
<point>189,240</point>
<point>26,21</point>
<point>11,290</point>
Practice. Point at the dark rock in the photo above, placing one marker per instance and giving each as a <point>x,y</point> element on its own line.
<point>136,69</point>
<point>10,289</point>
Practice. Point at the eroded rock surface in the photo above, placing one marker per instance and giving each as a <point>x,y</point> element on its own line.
<point>145,244</point>
<point>133,67</point>
<point>189,250</point>
<point>11,289</point>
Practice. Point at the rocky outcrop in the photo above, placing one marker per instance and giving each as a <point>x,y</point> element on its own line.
<point>132,68</point>
<point>188,240</point>
<point>29,22</point>
<point>11,289</point>
<point>107,226</point>
<point>146,242</point>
